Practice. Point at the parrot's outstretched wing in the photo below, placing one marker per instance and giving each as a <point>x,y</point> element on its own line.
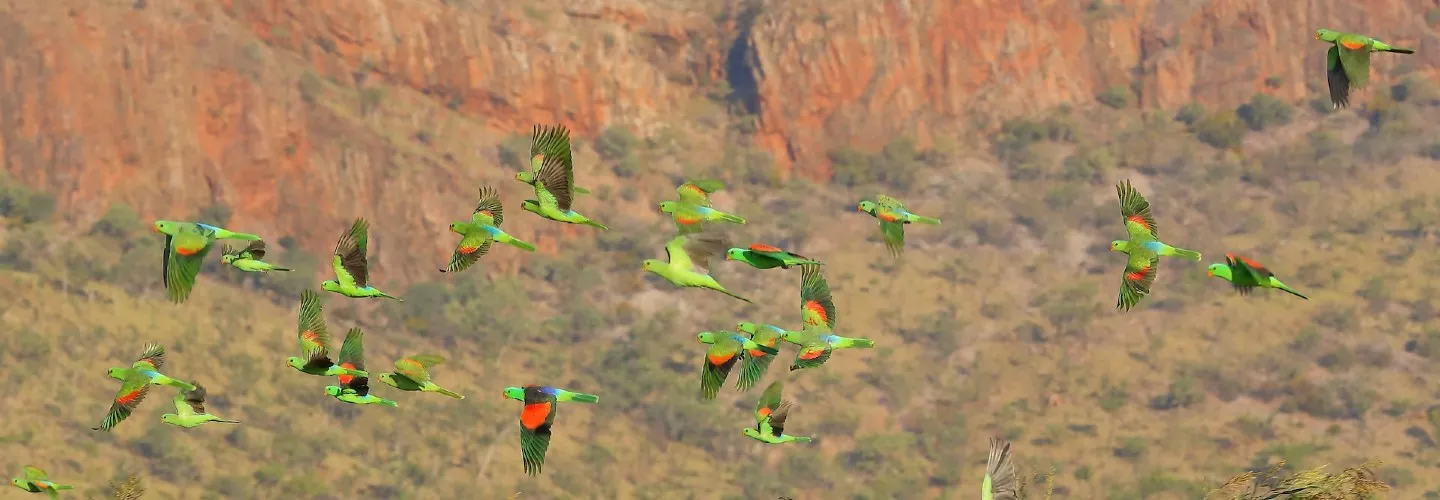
<point>777,419</point>
<point>698,192</point>
<point>551,142</point>
<point>1135,282</point>
<point>1001,472</point>
<point>769,401</point>
<point>557,178</point>
<point>817,308</point>
<point>1335,77</point>
<point>33,473</point>
<point>1355,59</point>
<point>416,367</point>
<point>349,261</point>
<point>700,247</point>
<point>490,205</point>
<point>1136,212</point>
<point>132,391</point>
<point>255,250</point>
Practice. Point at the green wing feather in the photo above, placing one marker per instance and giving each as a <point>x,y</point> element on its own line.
<point>753,368</point>
<point>712,376</point>
<point>779,417</point>
<point>153,355</point>
<point>812,354</point>
<point>312,320</point>
<point>1135,282</point>
<point>769,401</point>
<point>1135,211</point>
<point>255,250</point>
<point>33,473</point>
<point>534,443</point>
<point>351,267</point>
<point>1355,62</point>
<point>132,392</point>
<point>894,235</point>
<point>1336,79</point>
<point>188,403</point>
<point>551,142</point>
<point>698,192</point>
<point>489,204</point>
<point>181,270</point>
<point>554,181</point>
<point>817,308</point>
<point>352,351</point>
<point>416,367</point>
<point>480,241</point>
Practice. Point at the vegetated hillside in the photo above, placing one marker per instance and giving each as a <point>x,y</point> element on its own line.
<point>998,322</point>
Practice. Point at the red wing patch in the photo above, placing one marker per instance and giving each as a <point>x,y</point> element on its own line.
<point>756,353</point>
<point>1253,265</point>
<point>812,353</point>
<point>887,216</point>
<point>1139,220</point>
<point>125,399</point>
<point>694,189</point>
<point>540,157</point>
<point>764,412</point>
<point>487,213</point>
<point>686,220</point>
<point>761,247</point>
<point>817,309</point>
<point>1352,45</point>
<point>1138,275</point>
<point>533,415</point>
<point>187,251</point>
<point>345,379</point>
<point>310,336</point>
<point>467,250</point>
<point>719,359</point>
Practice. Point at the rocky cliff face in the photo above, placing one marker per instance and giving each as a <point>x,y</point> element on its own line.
<point>297,114</point>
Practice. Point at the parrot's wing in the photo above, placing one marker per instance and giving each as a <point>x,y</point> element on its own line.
<point>468,251</point>
<point>131,393</point>
<point>700,247</point>
<point>255,250</point>
<point>535,421</point>
<point>1135,283</point>
<point>698,192</point>
<point>894,235</point>
<point>814,353</point>
<point>314,336</point>
<point>33,473</point>
<point>1261,274</point>
<point>817,309</point>
<point>769,401</point>
<point>1136,212</point>
<point>349,262</point>
<point>888,202</point>
<point>719,359</point>
<point>675,252</point>
<point>413,368</point>
<point>777,419</point>
<point>360,385</point>
<point>181,270</point>
<point>189,403</point>
<point>226,249</point>
<point>551,142</point>
<point>489,204</point>
<point>1001,471</point>
<point>1355,58</point>
<point>352,351</point>
<point>1335,77</point>
<point>753,369</point>
<point>557,178</point>
<point>154,354</point>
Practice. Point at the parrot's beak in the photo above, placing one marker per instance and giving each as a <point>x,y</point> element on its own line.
<point>859,208</point>
<point>1210,274</point>
<point>155,229</point>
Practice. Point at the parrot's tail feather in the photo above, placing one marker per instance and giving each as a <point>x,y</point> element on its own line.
<point>242,236</point>
<point>579,190</point>
<point>862,343</point>
<point>732,218</point>
<point>584,398</point>
<point>727,292</point>
<point>521,245</point>
<point>1187,254</point>
<point>1399,50</point>
<point>448,392</point>
<point>389,403</point>
<point>224,421</point>
<point>388,296</point>
<point>282,269</point>
<point>927,220</point>
<point>1292,292</point>
<point>596,224</point>
<point>803,440</point>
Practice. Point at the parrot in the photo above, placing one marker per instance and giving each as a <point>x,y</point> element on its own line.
<point>999,483</point>
<point>355,389</point>
<point>186,245</point>
<point>688,261</point>
<point>816,338</point>
<point>248,259</point>
<point>1143,247</point>
<point>1347,64</point>
<point>411,374</point>
<point>757,362</point>
<point>762,256</point>
<point>148,366</point>
<point>689,216</point>
<point>132,392</point>
<point>551,141</point>
<point>553,183</point>
<point>537,417</point>
<point>352,270</point>
<point>483,228</point>
<point>893,216</point>
<point>726,348</point>
<point>770,415</point>
<point>190,410</point>
<point>314,339</point>
<point>1246,275</point>
<point>36,481</point>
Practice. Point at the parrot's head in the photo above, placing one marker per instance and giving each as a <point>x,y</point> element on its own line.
<point>166,227</point>
<point>1325,35</point>
<point>19,483</point>
<point>227,258</point>
<point>524,176</point>
<point>530,206</point>
<point>1119,246</point>
<point>455,227</point>
<point>170,418</point>
<point>332,390</point>
<point>389,379</point>
<point>515,393</point>
<point>705,337</point>
<point>117,373</point>
<point>745,327</point>
<point>735,254</point>
<point>295,362</point>
<point>750,431</point>
<point>1218,270</point>
<point>866,206</point>
<point>667,207</point>
<point>330,286</point>
<point>652,265</point>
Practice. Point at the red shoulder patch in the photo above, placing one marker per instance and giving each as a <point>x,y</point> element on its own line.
<point>186,251</point>
<point>126,398</point>
<point>694,189</point>
<point>811,353</point>
<point>819,310</point>
<point>1139,220</point>
<point>1138,275</point>
<point>533,415</point>
<point>467,250</point>
<point>764,412</point>
<point>310,336</point>
<point>719,359</point>
<point>756,353</point>
<point>687,220</point>
<point>345,379</point>
<point>1352,45</point>
<point>887,216</point>
<point>761,247</point>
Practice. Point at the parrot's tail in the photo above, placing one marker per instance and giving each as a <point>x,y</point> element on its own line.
<point>803,439</point>
<point>448,392</point>
<point>579,190</point>
<point>592,223</point>
<point>1290,290</point>
<point>860,343</point>
<point>520,244</point>
<point>225,421</point>
<point>281,269</point>
<point>727,292</point>
<point>921,219</point>
<point>1397,50</point>
<point>580,397</point>
<point>388,296</point>
<point>1187,254</point>
<point>231,235</point>
<point>732,218</point>
<point>177,383</point>
<point>62,487</point>
<point>389,403</point>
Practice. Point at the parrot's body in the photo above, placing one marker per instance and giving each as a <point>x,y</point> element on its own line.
<point>148,366</point>
<point>249,258</point>
<point>761,256</point>
<point>688,261</point>
<point>412,374</point>
<point>314,338</point>
<point>757,362</point>
<point>482,229</point>
<point>1143,247</point>
<point>893,217</point>
<point>771,412</point>
<point>1246,275</point>
<point>190,410</point>
<point>1347,64</point>
<point>726,349</point>
<point>553,178</point>
<point>186,245</point>
<point>544,143</point>
<point>353,389</point>
<point>692,206</point>
<point>537,417</point>
<point>36,481</point>
<point>351,266</point>
<point>1000,482</point>
<point>816,338</point>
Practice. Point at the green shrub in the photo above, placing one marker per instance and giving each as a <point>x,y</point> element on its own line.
<point>1264,111</point>
<point>1222,130</point>
<point>1116,97</point>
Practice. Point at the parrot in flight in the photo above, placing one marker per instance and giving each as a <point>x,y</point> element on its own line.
<point>354,389</point>
<point>483,228</point>
<point>770,415</point>
<point>536,418</point>
<point>1000,482</point>
<point>412,374</point>
<point>352,269</point>
<point>132,392</point>
<point>688,261</point>
<point>554,182</point>
<point>726,349</point>
<point>148,366</point>
<point>1143,247</point>
<point>893,217</point>
<point>692,207</point>
<point>1246,275</point>
<point>816,337</point>
<point>35,481</point>
<point>762,256</point>
<point>186,245</point>
<point>190,410</point>
<point>756,361</point>
<point>314,339</point>
<point>248,259</point>
<point>1347,64</point>
<point>546,142</point>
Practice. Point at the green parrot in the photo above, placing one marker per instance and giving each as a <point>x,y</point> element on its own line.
<point>688,261</point>
<point>893,217</point>
<point>757,362</point>
<point>1143,247</point>
<point>553,184</point>
<point>770,415</point>
<point>132,392</point>
<point>186,245</point>
<point>536,418</point>
<point>35,481</point>
<point>762,256</point>
<point>999,483</point>
<point>352,269</point>
<point>726,349</point>
<point>148,366</point>
<point>1347,64</point>
<point>355,389</point>
<point>412,374</point>
<point>692,206</point>
<point>248,260</point>
<point>1246,275</point>
<point>314,339</point>
<point>552,141</point>
<point>483,228</point>
<point>816,338</point>
<point>190,410</point>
